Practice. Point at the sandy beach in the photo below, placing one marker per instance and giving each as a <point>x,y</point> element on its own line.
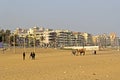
<point>56,64</point>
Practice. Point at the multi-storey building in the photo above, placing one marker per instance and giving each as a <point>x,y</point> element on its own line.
<point>88,39</point>
<point>114,39</point>
<point>50,36</point>
<point>95,40</point>
<point>44,37</point>
<point>60,38</point>
<point>79,39</point>
<point>103,40</point>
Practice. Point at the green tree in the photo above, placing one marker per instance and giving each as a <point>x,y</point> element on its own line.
<point>7,36</point>
<point>2,34</point>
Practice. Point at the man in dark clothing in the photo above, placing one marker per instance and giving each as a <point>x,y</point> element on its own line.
<point>33,55</point>
<point>23,55</point>
<point>94,52</point>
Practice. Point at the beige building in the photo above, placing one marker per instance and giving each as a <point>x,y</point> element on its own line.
<point>79,39</point>
<point>88,39</point>
<point>61,38</point>
<point>49,37</point>
<point>113,39</point>
<point>44,37</point>
<point>95,40</point>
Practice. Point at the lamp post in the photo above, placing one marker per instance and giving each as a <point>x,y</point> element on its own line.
<point>24,44</point>
<point>3,37</point>
<point>14,44</point>
<point>9,41</point>
<point>34,39</point>
<point>34,43</point>
<point>118,44</point>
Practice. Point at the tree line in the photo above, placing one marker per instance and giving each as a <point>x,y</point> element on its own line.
<point>5,36</point>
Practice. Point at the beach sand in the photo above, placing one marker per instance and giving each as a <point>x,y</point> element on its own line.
<point>56,64</point>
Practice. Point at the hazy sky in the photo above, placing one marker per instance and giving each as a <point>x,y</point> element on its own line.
<point>92,16</point>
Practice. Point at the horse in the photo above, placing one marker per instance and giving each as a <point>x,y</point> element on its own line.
<point>78,51</point>
<point>81,51</point>
<point>3,49</point>
<point>74,51</point>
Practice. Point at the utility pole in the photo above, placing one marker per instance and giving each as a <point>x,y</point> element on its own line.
<point>34,40</point>
<point>3,42</point>
<point>24,44</point>
<point>14,44</point>
<point>118,44</point>
<point>9,42</point>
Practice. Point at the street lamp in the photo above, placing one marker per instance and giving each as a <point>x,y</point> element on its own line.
<point>34,40</point>
<point>118,44</point>
<point>3,37</point>
<point>34,43</point>
<point>14,44</point>
<point>24,43</point>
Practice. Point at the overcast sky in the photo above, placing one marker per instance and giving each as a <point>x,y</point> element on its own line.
<point>92,16</point>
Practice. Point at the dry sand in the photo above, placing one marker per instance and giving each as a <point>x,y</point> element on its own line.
<point>54,64</point>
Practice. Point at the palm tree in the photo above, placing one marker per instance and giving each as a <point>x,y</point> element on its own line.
<point>7,36</point>
<point>2,34</point>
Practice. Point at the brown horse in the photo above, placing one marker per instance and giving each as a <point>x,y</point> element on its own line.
<point>78,51</point>
<point>81,51</point>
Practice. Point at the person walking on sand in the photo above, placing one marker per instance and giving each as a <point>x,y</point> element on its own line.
<point>94,52</point>
<point>31,55</point>
<point>23,55</point>
<point>34,55</point>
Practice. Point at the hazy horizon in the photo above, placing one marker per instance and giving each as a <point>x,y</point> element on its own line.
<point>92,16</point>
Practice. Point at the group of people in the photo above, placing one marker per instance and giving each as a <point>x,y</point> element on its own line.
<point>32,55</point>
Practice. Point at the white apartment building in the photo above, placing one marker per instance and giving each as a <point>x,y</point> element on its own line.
<point>49,37</point>
<point>61,38</point>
